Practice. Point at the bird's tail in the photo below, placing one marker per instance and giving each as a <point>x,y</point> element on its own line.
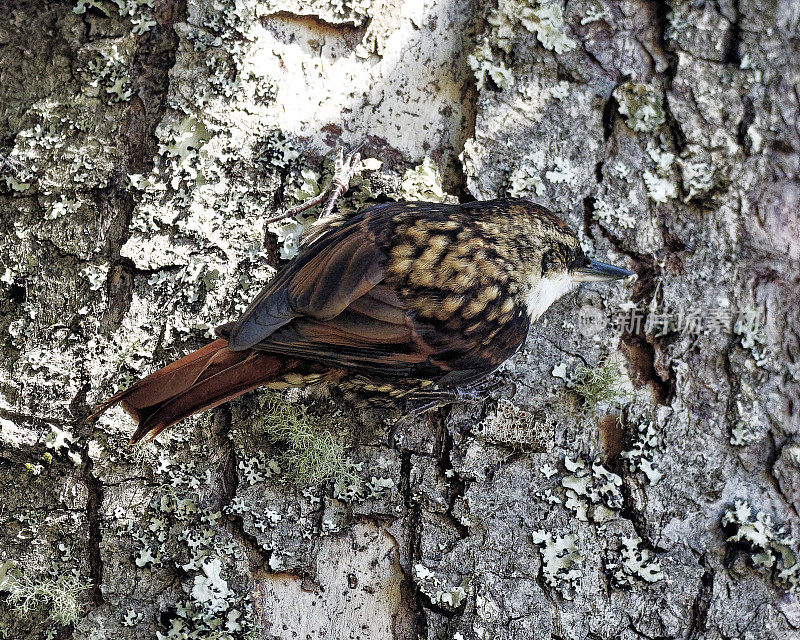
<point>201,380</point>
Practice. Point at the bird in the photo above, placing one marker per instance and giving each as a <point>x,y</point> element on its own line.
<point>401,298</point>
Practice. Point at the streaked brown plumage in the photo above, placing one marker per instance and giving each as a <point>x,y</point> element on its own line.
<point>397,298</point>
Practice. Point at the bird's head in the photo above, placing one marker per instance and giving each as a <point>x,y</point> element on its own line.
<point>558,263</point>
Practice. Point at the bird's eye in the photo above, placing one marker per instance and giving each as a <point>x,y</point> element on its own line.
<point>579,261</point>
<point>549,262</point>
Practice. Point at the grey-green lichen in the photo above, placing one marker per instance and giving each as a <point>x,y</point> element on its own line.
<point>641,104</point>
<point>640,455</point>
<point>313,455</point>
<point>54,599</point>
<point>749,326</point>
<point>601,385</point>
<point>659,177</point>
<point>610,215</point>
<point>492,57</point>
<point>635,563</point>
<point>560,560</point>
<point>424,182</point>
<point>137,10</point>
<point>450,597</point>
<point>592,493</point>
<point>772,548</point>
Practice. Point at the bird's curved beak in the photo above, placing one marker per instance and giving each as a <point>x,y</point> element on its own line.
<point>599,272</point>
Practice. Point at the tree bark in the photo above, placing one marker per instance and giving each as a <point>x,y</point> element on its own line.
<point>639,476</point>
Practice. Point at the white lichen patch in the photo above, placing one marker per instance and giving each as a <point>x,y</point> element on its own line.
<point>138,12</point>
<point>749,325</point>
<point>435,587</point>
<point>659,179</point>
<point>177,529</point>
<point>484,64</point>
<point>591,493</point>
<point>492,55</point>
<point>109,71</point>
<point>563,171</point>
<point>210,589</point>
<point>608,214</point>
<point>544,19</point>
<point>258,467</point>
<point>751,423</point>
<point>772,548</point>
<point>560,560</point>
<point>635,563</point>
<point>640,455</point>
<point>595,13</point>
<point>526,178</point>
<point>698,175</point>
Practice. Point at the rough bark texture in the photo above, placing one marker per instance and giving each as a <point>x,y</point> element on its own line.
<point>143,142</point>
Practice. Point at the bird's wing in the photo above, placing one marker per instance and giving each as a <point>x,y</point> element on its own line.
<point>378,334</point>
<point>320,283</point>
<point>334,304</point>
<point>375,332</point>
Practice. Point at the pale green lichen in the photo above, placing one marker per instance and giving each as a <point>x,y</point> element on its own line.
<point>424,182</point>
<point>289,232</point>
<point>313,455</point>
<point>641,104</point>
<point>177,529</point>
<point>544,19</point>
<point>210,589</point>
<point>635,563</point>
<point>449,597</point>
<point>110,71</point>
<point>591,493</point>
<point>750,424</point>
<point>601,385</point>
<point>484,65</point>
<point>560,560</point>
<point>595,13</point>
<point>138,10</point>
<point>750,327</point>
<point>660,185</point>
<point>772,548</point>
<point>640,455</point>
<point>180,144</point>
<point>55,599</point>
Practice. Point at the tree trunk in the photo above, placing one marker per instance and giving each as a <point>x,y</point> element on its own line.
<point>638,473</point>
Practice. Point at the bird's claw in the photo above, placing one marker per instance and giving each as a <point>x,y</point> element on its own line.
<point>344,168</point>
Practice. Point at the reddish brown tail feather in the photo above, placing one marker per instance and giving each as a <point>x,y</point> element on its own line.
<point>201,380</point>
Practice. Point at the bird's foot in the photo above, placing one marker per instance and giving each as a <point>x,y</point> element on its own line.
<point>346,166</point>
<point>475,394</point>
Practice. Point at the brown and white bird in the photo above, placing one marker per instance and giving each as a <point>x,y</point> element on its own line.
<point>399,298</point>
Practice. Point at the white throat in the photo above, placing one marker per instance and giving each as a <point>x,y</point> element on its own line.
<point>545,291</point>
